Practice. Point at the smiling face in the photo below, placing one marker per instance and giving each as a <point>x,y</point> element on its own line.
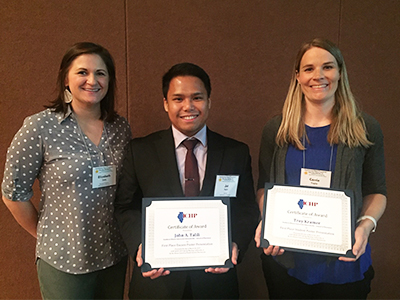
<point>88,80</point>
<point>187,104</point>
<point>318,76</point>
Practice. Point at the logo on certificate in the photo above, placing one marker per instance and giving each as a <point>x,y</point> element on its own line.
<point>182,216</point>
<point>303,203</point>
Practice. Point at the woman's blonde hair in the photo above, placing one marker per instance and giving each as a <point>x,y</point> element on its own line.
<point>347,125</point>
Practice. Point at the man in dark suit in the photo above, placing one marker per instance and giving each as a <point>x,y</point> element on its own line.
<point>155,167</point>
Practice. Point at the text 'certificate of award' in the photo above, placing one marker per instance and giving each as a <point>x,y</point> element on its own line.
<point>308,219</point>
<point>186,233</point>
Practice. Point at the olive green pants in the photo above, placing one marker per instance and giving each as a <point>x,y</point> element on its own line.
<point>103,284</point>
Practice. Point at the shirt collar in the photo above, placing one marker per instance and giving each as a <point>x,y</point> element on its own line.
<point>61,116</point>
<point>179,137</point>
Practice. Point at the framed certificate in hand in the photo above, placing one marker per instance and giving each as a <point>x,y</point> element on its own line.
<point>308,219</point>
<point>186,233</point>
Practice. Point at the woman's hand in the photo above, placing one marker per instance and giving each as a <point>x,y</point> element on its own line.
<point>24,213</point>
<point>361,236</point>
<point>271,250</point>
<point>373,205</point>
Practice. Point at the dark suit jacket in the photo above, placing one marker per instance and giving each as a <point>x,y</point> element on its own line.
<point>150,170</point>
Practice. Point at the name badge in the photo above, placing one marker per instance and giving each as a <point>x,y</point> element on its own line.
<point>226,185</point>
<point>104,176</point>
<point>317,178</point>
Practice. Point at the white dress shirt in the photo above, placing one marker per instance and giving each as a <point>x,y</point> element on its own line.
<point>200,151</point>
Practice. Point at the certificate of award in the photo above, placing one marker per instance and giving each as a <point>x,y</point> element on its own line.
<point>186,233</point>
<point>308,219</point>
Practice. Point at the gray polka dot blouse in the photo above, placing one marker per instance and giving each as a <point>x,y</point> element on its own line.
<point>77,232</point>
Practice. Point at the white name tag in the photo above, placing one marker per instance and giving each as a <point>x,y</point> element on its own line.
<point>317,178</point>
<point>226,185</point>
<point>104,176</point>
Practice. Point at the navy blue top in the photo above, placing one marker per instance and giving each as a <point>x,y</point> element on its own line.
<point>312,268</point>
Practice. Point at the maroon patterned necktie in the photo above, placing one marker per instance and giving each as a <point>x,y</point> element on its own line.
<point>192,181</point>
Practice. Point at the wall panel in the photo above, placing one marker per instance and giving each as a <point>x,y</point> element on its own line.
<point>248,49</point>
<point>34,36</point>
<point>369,40</point>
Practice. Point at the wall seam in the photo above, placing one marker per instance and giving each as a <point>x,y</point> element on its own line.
<point>126,61</point>
<point>340,22</point>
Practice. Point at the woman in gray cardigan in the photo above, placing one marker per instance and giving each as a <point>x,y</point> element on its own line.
<point>322,129</point>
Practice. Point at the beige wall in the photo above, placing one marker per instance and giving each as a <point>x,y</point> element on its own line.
<point>247,47</point>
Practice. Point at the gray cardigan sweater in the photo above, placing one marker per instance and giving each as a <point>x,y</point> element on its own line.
<point>359,169</point>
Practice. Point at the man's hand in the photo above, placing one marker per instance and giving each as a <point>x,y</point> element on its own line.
<point>235,254</point>
<point>153,274</point>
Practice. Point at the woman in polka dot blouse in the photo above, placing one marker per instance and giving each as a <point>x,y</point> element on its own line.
<point>75,149</point>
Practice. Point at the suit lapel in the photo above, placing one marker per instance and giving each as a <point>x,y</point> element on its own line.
<point>215,153</point>
<point>166,154</point>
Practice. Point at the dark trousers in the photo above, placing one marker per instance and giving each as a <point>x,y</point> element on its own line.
<point>185,285</point>
<point>283,286</point>
<point>102,284</point>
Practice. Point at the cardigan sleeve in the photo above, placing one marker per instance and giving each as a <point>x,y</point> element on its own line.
<point>267,149</point>
<point>373,177</point>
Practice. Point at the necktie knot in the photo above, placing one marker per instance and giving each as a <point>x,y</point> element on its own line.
<point>190,144</point>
